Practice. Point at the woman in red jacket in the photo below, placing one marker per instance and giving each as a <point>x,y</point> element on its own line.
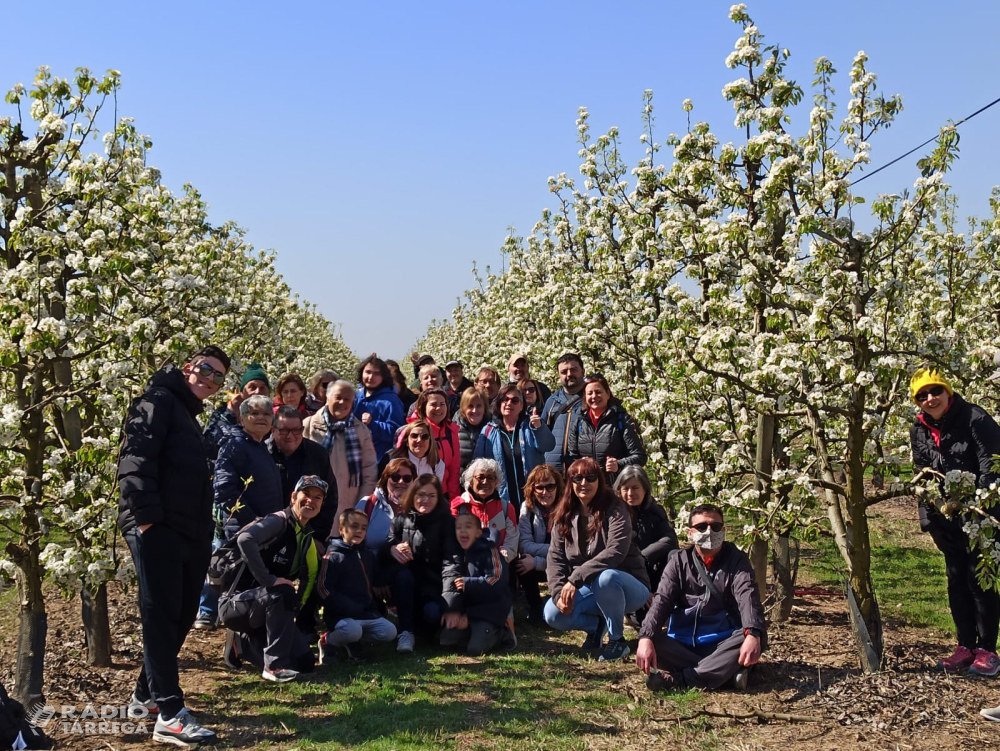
<point>432,406</point>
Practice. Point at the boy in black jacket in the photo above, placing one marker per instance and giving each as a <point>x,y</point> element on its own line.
<point>479,600</point>
<point>345,586</point>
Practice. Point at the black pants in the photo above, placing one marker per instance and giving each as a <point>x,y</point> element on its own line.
<point>976,612</point>
<point>478,639</point>
<point>708,666</point>
<point>413,608</point>
<point>530,586</point>
<point>171,569</point>
<point>265,618</point>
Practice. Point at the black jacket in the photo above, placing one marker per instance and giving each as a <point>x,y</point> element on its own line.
<point>269,545</point>
<point>968,439</point>
<point>345,582</point>
<point>432,541</point>
<point>467,437</point>
<point>615,435</point>
<point>655,537</point>
<point>241,458</point>
<point>681,588</point>
<point>163,470</point>
<point>486,594</point>
<point>310,458</point>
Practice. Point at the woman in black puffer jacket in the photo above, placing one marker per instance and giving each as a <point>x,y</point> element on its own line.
<point>951,434</point>
<point>605,432</point>
<point>472,416</point>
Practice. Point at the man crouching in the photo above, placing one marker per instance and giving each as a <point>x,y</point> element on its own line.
<point>709,604</point>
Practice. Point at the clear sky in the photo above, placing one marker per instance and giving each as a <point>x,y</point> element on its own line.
<point>381,148</point>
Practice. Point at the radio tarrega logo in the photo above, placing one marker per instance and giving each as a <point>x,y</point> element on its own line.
<point>103,719</point>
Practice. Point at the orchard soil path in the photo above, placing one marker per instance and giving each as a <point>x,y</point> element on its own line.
<point>810,670</point>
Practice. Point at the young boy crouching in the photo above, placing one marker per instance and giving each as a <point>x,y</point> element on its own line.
<point>478,599</point>
<point>345,586</point>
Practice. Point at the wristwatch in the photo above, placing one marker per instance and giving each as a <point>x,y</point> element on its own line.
<point>753,631</point>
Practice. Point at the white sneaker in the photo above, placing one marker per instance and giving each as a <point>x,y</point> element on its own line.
<point>405,642</point>
<point>140,710</point>
<point>281,675</point>
<point>991,713</point>
<point>183,730</point>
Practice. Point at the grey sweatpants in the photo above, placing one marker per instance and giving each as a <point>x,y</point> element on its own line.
<point>263,616</point>
<point>708,666</point>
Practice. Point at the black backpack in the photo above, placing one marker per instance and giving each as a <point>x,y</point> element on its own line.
<point>226,567</point>
<point>15,728</point>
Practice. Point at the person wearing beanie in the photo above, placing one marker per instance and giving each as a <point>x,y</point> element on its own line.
<point>224,422</point>
<point>949,433</point>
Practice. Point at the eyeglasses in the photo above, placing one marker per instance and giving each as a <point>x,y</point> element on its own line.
<point>702,526</point>
<point>207,371</point>
<point>511,399</point>
<point>545,487</point>
<point>485,381</point>
<point>580,479</point>
<point>420,436</point>
<point>289,431</point>
<point>401,478</point>
<point>935,390</point>
<point>485,478</point>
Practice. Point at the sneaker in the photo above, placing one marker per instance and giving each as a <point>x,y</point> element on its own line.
<point>281,675</point>
<point>354,653</point>
<point>508,639</point>
<point>614,650</point>
<point>660,680</point>
<point>205,623</point>
<point>634,620</point>
<point>182,730</point>
<point>962,658</point>
<point>986,663</point>
<point>595,639</point>
<point>405,642</point>
<point>139,710</point>
<point>325,651</point>
<point>741,680</point>
<point>231,651</point>
<point>991,713</point>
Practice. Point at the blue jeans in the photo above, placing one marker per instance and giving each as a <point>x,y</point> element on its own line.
<point>607,598</point>
<point>208,605</point>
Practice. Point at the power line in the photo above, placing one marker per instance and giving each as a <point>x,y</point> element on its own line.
<point>929,140</point>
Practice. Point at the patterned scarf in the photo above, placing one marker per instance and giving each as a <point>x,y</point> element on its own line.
<point>352,447</point>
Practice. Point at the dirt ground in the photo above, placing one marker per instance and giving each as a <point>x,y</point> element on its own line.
<point>809,672</point>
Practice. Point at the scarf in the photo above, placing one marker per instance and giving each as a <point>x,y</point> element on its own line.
<point>352,447</point>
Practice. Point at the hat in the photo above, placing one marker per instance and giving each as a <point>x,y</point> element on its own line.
<point>254,372</point>
<point>425,360</point>
<point>515,357</point>
<point>311,481</point>
<point>452,364</point>
<point>927,377</point>
<point>465,509</point>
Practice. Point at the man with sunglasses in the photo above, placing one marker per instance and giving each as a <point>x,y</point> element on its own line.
<point>706,624</point>
<point>165,515</point>
<point>950,434</point>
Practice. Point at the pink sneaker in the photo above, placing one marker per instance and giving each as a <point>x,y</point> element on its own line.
<point>986,663</point>
<point>962,658</point>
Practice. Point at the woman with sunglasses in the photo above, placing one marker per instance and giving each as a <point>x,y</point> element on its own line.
<point>473,414</point>
<point>595,571</point>
<point>376,403</point>
<point>605,431</point>
<point>951,434</point>
<point>433,407</point>
<point>516,440</point>
<point>651,529</point>
<point>416,443</point>
<point>316,393</point>
<point>532,396</point>
<point>542,490</point>
<point>422,554</point>
<point>384,505</point>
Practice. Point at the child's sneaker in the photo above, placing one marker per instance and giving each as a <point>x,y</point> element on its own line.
<point>986,663</point>
<point>962,658</point>
<point>405,642</point>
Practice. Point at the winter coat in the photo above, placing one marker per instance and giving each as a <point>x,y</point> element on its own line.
<point>345,582</point>
<point>163,467</point>
<point>682,589</point>
<point>387,414</point>
<point>434,547</point>
<point>449,451</point>
<point>498,518</point>
<point>308,459</point>
<point>314,429</point>
<point>467,437</point>
<point>222,425</point>
<point>534,442</point>
<point>577,560</point>
<point>533,535</point>
<point>240,459</point>
<point>380,515</point>
<point>965,438</point>
<point>615,435</point>
<point>270,547</point>
<point>561,409</point>
<point>655,537</point>
<point>486,593</point>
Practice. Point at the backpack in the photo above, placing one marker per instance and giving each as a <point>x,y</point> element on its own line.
<point>226,566</point>
<point>16,730</point>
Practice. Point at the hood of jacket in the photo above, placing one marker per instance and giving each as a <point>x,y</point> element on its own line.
<point>171,378</point>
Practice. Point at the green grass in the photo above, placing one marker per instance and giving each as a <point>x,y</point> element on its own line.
<point>529,700</point>
<point>907,570</point>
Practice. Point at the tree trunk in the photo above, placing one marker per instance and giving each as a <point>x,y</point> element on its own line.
<point>763,467</point>
<point>784,579</point>
<point>29,667</point>
<point>96,626</point>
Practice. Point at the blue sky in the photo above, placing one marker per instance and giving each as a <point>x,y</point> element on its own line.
<point>381,148</point>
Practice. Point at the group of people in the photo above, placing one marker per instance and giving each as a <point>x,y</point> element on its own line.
<point>350,512</point>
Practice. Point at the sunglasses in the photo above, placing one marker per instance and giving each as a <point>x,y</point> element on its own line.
<point>593,377</point>
<point>325,384</point>
<point>420,436</point>
<point>580,479</point>
<point>702,526</point>
<point>207,371</point>
<point>531,390</point>
<point>401,478</point>
<point>926,394</point>
<point>511,399</point>
<point>545,487</point>
<point>485,478</point>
